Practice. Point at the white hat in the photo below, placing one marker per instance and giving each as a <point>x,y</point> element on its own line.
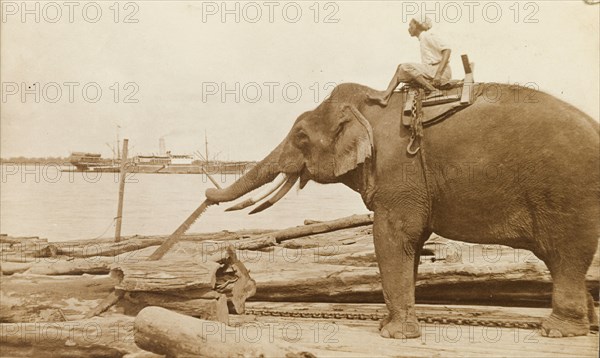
<point>423,21</point>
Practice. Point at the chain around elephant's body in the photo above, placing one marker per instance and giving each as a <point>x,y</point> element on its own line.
<point>428,319</point>
<point>416,128</point>
<point>414,125</point>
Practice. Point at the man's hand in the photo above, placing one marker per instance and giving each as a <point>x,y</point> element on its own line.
<point>437,80</point>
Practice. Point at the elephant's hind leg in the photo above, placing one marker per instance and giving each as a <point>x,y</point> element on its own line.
<point>570,314</point>
<point>592,314</point>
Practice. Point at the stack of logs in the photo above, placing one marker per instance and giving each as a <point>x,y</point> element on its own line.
<point>209,276</point>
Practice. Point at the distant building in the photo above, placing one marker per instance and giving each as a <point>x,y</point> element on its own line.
<point>152,159</point>
<point>168,159</point>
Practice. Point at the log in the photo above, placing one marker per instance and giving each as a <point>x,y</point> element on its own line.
<point>107,247</point>
<point>18,248</point>
<point>303,275</point>
<point>64,265</point>
<point>86,249</point>
<point>165,332</point>
<point>22,257</point>
<point>327,226</point>
<point>98,337</point>
<point>27,298</point>
<point>174,335</point>
<point>342,266</point>
<point>165,275</point>
<point>244,286</point>
<point>46,251</point>
<point>9,268</point>
<point>311,222</point>
<point>5,239</point>
<point>93,265</point>
<point>19,310</point>
<point>211,250</point>
<point>208,308</point>
<point>106,303</point>
<point>193,267</point>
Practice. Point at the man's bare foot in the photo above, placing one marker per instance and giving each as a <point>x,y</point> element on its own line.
<point>383,101</point>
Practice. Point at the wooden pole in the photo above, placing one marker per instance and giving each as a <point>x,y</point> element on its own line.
<point>215,183</point>
<point>123,174</point>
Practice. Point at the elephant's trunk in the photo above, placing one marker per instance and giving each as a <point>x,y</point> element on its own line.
<point>264,172</point>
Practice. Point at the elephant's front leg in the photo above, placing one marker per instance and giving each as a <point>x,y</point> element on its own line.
<point>398,241</point>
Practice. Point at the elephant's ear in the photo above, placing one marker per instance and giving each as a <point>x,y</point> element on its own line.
<point>355,141</point>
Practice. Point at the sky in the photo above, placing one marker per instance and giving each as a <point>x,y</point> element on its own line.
<point>242,72</point>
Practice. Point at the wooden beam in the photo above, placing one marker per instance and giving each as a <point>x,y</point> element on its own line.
<point>466,64</point>
<point>467,92</point>
<point>123,177</point>
<point>408,103</point>
<point>440,100</point>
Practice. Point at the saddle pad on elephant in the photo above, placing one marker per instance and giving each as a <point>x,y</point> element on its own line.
<point>436,108</point>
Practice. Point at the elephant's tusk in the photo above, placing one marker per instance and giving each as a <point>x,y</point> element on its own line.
<point>289,184</point>
<point>277,183</point>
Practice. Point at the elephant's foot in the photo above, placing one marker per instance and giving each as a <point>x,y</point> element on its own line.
<point>556,327</point>
<point>384,322</point>
<point>592,316</point>
<point>398,329</point>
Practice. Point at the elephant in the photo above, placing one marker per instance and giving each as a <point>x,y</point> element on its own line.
<point>519,168</point>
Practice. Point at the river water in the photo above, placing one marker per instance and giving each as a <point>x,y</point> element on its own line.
<point>40,200</point>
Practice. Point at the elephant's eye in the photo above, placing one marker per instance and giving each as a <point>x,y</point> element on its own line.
<point>301,138</point>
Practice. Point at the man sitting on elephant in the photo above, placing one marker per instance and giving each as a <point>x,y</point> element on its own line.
<point>435,55</point>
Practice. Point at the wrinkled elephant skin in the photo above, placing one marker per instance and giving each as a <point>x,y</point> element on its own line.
<point>519,168</point>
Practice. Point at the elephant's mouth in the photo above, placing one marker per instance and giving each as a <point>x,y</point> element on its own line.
<point>279,180</point>
<point>283,182</point>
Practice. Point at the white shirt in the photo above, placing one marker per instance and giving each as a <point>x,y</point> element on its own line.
<point>431,48</point>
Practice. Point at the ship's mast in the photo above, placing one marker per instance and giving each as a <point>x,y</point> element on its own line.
<point>118,143</point>
<point>206,148</point>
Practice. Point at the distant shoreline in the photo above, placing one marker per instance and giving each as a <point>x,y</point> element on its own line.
<point>33,160</point>
<point>66,161</point>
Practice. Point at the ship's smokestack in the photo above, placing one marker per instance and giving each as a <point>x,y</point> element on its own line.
<point>162,149</point>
